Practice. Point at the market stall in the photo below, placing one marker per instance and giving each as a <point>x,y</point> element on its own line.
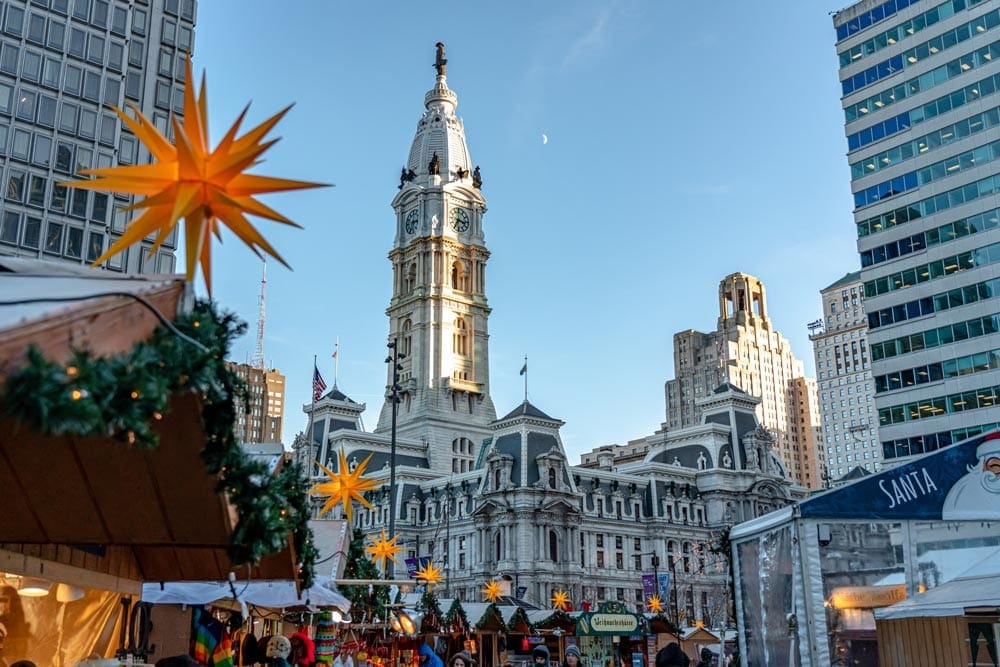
<point>611,636</point>
<point>96,505</point>
<point>810,578</point>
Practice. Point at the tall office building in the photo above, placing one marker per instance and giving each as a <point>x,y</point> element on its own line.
<point>260,418</point>
<point>746,351</point>
<point>61,63</point>
<point>921,106</point>
<point>843,373</point>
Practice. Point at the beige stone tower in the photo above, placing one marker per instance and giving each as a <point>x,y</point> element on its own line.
<point>438,312</point>
<point>746,351</point>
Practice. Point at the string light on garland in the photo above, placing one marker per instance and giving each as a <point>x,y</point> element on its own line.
<point>383,548</point>
<point>654,604</point>
<point>560,600</point>
<point>206,187</point>
<point>491,591</point>
<point>345,486</point>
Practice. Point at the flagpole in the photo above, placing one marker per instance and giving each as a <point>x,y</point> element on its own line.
<point>312,410</point>
<point>525,378</point>
<point>336,361</point>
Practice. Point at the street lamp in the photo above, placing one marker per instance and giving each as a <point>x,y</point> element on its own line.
<point>393,359</point>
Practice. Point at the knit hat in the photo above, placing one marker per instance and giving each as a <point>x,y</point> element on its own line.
<point>572,649</point>
<point>465,656</point>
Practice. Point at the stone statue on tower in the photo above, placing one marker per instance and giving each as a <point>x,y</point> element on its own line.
<point>440,62</point>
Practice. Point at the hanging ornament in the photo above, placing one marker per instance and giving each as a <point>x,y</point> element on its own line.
<point>187,179</point>
<point>491,591</point>
<point>383,548</point>
<point>654,604</point>
<point>344,486</point>
<point>560,600</point>
<point>429,574</point>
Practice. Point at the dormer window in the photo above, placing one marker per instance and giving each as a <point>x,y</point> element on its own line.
<point>552,478</point>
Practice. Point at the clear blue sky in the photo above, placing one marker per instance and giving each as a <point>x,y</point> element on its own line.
<point>687,140</point>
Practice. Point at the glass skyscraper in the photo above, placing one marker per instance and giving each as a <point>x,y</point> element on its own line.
<point>61,63</point>
<point>921,97</point>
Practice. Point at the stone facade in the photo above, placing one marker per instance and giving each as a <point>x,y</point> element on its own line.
<point>746,350</point>
<point>491,498</point>
<point>260,418</point>
<point>843,370</point>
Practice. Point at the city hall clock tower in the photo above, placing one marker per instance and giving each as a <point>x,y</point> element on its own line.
<point>438,314</point>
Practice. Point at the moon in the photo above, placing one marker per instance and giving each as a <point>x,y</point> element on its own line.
<point>545,139</point>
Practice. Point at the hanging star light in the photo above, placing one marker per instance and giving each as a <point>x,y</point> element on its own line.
<point>383,548</point>
<point>344,486</point>
<point>654,603</point>
<point>560,600</point>
<point>429,574</point>
<point>187,179</point>
<point>491,591</point>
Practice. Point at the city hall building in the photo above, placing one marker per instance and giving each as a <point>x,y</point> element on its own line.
<point>490,497</point>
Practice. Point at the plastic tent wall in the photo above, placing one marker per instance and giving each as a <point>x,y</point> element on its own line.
<point>881,539</point>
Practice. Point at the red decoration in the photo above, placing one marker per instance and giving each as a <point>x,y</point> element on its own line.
<point>525,646</point>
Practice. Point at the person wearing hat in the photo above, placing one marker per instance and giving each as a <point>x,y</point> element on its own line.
<point>571,658</point>
<point>462,659</point>
<point>671,655</point>
<point>540,656</point>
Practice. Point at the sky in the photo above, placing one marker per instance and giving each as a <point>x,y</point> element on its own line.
<point>686,141</point>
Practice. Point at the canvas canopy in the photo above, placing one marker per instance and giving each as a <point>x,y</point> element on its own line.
<point>272,594</point>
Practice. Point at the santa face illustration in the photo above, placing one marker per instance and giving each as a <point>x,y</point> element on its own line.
<point>977,494</point>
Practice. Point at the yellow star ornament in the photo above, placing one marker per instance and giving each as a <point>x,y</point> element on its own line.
<point>429,574</point>
<point>344,486</point>
<point>560,600</point>
<point>491,591</point>
<point>654,604</point>
<point>206,187</point>
<point>383,548</point>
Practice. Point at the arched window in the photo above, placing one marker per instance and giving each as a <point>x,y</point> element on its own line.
<point>552,478</point>
<point>411,277</point>
<point>459,277</point>
<point>553,546</point>
<point>407,337</point>
<point>460,338</point>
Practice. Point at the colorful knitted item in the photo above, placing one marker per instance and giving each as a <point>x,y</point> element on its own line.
<point>325,640</point>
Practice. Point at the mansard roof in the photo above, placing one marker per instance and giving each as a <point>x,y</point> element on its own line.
<point>338,395</point>
<point>728,386</point>
<point>526,409</point>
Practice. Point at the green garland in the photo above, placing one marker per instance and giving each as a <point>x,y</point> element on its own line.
<point>122,396</point>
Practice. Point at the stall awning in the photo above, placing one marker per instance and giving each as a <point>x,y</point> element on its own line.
<point>271,594</point>
<point>955,598</point>
<point>98,503</point>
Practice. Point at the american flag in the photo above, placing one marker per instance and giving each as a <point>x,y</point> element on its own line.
<point>318,385</point>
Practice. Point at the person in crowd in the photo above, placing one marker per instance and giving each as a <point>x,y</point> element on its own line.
<point>462,659</point>
<point>707,658</point>
<point>540,656</point>
<point>671,655</point>
<point>572,656</point>
<point>428,658</point>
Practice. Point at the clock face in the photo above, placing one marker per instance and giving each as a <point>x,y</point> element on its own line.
<point>459,219</point>
<point>411,221</point>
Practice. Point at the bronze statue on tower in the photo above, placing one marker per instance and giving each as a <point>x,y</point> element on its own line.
<point>440,62</point>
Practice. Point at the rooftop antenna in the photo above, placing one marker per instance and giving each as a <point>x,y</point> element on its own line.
<point>258,355</point>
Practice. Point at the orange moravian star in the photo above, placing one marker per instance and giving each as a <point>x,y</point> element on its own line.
<point>344,486</point>
<point>206,187</point>
<point>491,591</point>
<point>383,548</point>
<point>560,600</point>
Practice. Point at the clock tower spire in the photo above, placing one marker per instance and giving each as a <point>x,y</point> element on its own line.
<point>438,313</point>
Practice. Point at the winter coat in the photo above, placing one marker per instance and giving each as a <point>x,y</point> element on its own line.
<point>671,655</point>
<point>432,658</point>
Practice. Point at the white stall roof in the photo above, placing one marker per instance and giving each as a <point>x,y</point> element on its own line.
<point>950,599</point>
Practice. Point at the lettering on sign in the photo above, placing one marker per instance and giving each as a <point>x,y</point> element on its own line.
<point>908,487</point>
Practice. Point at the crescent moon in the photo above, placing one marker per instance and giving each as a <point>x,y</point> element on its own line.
<point>545,139</point>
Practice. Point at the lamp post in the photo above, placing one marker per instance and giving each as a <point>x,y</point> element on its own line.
<point>394,388</point>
